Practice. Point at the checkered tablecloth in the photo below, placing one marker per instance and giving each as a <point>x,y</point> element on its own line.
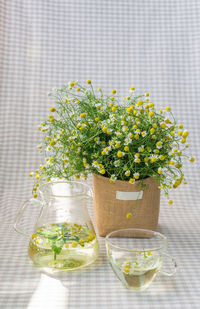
<point>151,44</point>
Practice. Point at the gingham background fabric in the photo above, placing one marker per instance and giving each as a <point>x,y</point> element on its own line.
<point>153,45</point>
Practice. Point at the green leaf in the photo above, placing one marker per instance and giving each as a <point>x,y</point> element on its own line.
<point>56,249</point>
<point>48,234</point>
<point>56,245</point>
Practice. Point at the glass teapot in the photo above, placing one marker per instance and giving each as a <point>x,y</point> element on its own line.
<point>63,238</point>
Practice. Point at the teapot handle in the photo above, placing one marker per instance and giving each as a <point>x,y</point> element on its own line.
<point>17,225</point>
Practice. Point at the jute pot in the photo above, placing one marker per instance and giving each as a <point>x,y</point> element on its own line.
<point>112,201</point>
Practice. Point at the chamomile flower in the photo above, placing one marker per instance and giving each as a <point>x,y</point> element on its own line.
<point>159,145</point>
<point>127,173</point>
<point>102,171</point>
<point>143,133</point>
<point>105,151</point>
<point>130,135</point>
<point>139,103</point>
<point>153,159</point>
<point>162,158</point>
<point>83,115</point>
<point>117,163</point>
<point>127,141</point>
<point>47,149</point>
<point>137,131</point>
<point>84,159</point>
<point>136,175</point>
<point>185,133</point>
<point>113,178</point>
<point>151,114</point>
<point>125,168</point>
<point>124,129</point>
<point>129,110</point>
<point>141,148</point>
<point>45,128</point>
<point>95,163</point>
<point>120,154</point>
<point>109,131</point>
<point>132,89</point>
<point>70,85</point>
<point>118,134</point>
<point>192,159</point>
<point>39,146</point>
<point>126,148</point>
<point>167,121</point>
<point>137,160</point>
<point>163,125</point>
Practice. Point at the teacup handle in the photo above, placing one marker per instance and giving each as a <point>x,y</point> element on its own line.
<point>173,262</point>
<point>16,224</point>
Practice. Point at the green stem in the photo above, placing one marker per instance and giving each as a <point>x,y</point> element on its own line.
<point>134,207</point>
<point>54,256</point>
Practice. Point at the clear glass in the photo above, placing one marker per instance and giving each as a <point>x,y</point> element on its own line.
<point>63,238</point>
<point>136,256</point>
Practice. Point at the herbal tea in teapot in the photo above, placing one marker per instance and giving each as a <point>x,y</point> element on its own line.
<point>63,246</point>
<point>63,238</point>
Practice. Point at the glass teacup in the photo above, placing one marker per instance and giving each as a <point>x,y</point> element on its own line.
<point>136,256</point>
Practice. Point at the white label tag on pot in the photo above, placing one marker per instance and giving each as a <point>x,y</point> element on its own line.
<point>129,196</point>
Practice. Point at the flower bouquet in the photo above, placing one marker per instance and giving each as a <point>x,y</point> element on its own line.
<point>120,140</point>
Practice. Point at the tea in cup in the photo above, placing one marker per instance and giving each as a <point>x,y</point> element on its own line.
<point>136,256</point>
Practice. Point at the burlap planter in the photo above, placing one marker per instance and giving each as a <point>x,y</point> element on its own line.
<point>111,204</point>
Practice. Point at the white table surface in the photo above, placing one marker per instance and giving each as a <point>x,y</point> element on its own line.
<point>153,45</point>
